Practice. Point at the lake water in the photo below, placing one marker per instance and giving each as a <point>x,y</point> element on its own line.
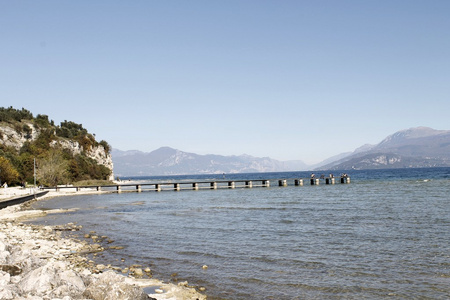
<point>384,235</point>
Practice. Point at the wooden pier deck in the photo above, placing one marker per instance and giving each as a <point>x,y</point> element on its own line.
<point>203,185</point>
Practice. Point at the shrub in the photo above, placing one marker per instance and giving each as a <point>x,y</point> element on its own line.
<point>8,173</point>
<point>52,170</point>
<point>43,121</point>
<point>106,146</point>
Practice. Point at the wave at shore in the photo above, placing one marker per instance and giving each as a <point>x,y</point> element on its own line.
<point>36,262</point>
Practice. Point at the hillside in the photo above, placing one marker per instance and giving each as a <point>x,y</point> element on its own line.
<point>169,161</point>
<point>418,147</point>
<point>63,153</point>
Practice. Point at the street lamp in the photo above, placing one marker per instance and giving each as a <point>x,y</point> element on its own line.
<point>34,173</point>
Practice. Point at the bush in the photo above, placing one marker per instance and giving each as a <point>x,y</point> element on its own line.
<point>52,169</point>
<point>11,114</point>
<point>85,168</point>
<point>106,146</point>
<point>8,173</point>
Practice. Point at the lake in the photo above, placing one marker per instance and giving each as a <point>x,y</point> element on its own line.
<point>384,235</point>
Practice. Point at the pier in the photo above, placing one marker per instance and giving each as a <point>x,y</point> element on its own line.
<point>206,185</point>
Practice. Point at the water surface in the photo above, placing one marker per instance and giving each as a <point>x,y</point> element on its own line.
<point>385,235</point>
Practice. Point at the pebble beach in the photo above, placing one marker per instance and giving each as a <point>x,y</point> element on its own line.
<point>40,262</point>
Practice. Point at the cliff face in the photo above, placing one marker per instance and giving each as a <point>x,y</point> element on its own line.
<point>97,153</point>
<point>11,137</point>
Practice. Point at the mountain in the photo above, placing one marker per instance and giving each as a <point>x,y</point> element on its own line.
<point>417,147</point>
<point>169,161</point>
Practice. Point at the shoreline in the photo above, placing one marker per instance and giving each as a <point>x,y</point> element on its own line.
<point>37,261</point>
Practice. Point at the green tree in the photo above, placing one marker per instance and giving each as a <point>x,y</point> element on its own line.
<point>25,166</point>
<point>84,168</point>
<point>52,170</point>
<point>8,173</point>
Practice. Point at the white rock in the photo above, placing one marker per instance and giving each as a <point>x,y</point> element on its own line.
<point>39,281</point>
<point>6,294</point>
<point>5,279</point>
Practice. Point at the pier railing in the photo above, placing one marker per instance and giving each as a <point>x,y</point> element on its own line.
<point>212,185</point>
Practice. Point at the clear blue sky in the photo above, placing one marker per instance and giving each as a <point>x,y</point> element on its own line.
<point>286,79</point>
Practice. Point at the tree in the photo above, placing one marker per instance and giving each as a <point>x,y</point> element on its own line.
<point>52,170</point>
<point>8,173</point>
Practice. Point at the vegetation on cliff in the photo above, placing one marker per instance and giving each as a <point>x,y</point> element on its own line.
<point>62,152</point>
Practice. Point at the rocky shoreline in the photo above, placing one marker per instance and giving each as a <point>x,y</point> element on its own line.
<point>38,262</point>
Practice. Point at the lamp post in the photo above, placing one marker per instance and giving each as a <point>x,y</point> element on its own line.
<point>34,175</point>
<point>34,160</point>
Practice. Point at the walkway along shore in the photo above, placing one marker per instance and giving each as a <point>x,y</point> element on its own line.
<point>22,199</point>
<point>38,262</point>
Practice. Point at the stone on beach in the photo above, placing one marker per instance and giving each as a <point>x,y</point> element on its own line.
<point>37,263</point>
<point>110,285</point>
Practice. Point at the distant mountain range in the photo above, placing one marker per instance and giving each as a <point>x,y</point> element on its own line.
<point>411,148</point>
<point>169,161</point>
<point>419,147</point>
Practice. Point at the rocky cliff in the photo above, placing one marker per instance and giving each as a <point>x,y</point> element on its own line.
<point>10,137</point>
<point>24,138</point>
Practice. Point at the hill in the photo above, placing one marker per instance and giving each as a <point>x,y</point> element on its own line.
<point>418,147</point>
<point>63,153</point>
<point>169,161</point>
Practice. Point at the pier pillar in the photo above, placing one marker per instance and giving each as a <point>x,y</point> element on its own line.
<point>282,182</point>
<point>157,188</point>
<point>231,184</point>
<point>249,184</point>
<point>78,188</point>
<point>315,181</point>
<point>213,185</point>
<point>266,183</point>
<point>99,188</point>
<point>176,187</point>
<point>195,186</point>
<point>345,179</point>
<point>329,180</point>
<point>119,189</point>
<point>298,182</point>
<point>138,188</point>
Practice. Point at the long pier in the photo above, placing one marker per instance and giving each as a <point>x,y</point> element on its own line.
<point>212,185</point>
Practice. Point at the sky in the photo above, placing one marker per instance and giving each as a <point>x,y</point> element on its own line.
<point>290,80</point>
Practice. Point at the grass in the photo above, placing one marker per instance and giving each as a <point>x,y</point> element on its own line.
<point>92,182</point>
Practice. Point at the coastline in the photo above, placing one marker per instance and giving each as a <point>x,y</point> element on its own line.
<point>37,261</point>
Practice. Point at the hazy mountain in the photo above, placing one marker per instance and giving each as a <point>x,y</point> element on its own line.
<point>169,161</point>
<point>411,148</point>
<point>331,160</point>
